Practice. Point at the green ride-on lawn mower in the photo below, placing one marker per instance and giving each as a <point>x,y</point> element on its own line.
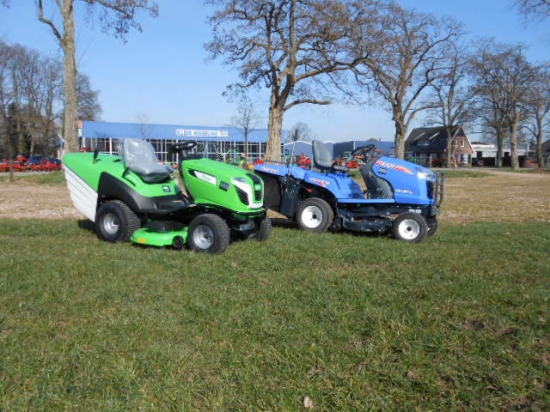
<point>134,197</point>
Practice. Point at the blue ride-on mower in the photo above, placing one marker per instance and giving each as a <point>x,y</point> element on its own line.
<point>401,198</point>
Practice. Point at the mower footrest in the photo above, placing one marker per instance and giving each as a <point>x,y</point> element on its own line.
<point>150,237</point>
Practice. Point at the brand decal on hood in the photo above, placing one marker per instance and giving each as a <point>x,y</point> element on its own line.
<point>393,166</point>
<point>320,182</point>
<point>270,170</point>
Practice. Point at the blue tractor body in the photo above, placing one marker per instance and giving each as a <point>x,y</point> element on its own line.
<point>400,196</point>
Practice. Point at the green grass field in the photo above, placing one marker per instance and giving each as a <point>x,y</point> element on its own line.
<point>459,322</point>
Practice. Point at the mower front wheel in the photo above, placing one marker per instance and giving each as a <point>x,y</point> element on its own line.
<point>432,226</point>
<point>314,214</point>
<point>116,222</point>
<point>264,230</point>
<point>208,233</point>
<point>410,227</point>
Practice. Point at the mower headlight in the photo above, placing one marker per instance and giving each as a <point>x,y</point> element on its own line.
<point>241,183</point>
<point>247,193</point>
<point>244,191</point>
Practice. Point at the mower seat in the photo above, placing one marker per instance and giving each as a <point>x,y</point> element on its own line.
<point>139,157</point>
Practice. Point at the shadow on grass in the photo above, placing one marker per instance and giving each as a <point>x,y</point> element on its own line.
<point>290,224</point>
<point>87,225</point>
<point>283,222</point>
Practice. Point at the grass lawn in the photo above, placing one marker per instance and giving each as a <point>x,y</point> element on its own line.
<point>353,323</point>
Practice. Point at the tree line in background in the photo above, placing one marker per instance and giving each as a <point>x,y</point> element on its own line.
<point>357,51</point>
<point>114,16</point>
<point>376,52</point>
<point>32,101</point>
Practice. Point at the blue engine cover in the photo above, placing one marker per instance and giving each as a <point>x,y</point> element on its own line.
<point>411,183</point>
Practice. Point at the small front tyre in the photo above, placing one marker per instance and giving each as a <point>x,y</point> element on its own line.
<point>264,229</point>
<point>116,222</point>
<point>410,227</point>
<point>314,214</point>
<point>208,233</point>
<point>432,227</point>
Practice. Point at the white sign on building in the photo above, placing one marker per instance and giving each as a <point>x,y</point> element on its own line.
<point>201,133</point>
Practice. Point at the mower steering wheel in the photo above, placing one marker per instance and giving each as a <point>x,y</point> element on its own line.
<point>184,146</point>
<point>366,151</point>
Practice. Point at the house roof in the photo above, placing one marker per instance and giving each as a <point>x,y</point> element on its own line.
<point>546,146</point>
<point>429,139</point>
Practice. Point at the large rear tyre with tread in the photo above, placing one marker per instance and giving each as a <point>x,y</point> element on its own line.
<point>314,214</point>
<point>410,227</point>
<point>263,231</point>
<point>208,233</point>
<point>116,222</point>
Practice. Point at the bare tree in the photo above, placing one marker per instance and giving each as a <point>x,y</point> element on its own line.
<point>539,9</point>
<point>246,119</point>
<point>300,132</point>
<point>40,89</point>
<point>88,105</point>
<point>503,79</point>
<point>32,89</point>
<point>452,99</point>
<point>115,16</point>
<point>291,47</point>
<point>538,107</point>
<point>404,55</point>
<point>16,121</point>
<point>6,55</point>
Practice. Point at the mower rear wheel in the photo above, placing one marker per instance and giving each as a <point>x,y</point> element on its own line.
<point>314,214</point>
<point>116,222</point>
<point>208,233</point>
<point>410,227</point>
<point>263,231</point>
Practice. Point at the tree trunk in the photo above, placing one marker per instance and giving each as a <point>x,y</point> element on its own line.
<point>540,137</point>
<point>498,158</point>
<point>275,132</point>
<point>514,147</point>
<point>70,118</point>
<point>10,160</point>
<point>400,131</point>
<point>451,149</point>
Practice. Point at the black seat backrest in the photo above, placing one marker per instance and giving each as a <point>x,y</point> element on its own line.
<point>322,158</point>
<point>377,188</point>
<point>139,156</point>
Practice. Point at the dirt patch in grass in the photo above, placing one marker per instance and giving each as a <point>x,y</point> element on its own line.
<point>22,200</point>
<point>498,196</point>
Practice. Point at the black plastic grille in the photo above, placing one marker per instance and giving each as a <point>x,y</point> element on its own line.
<point>243,197</point>
<point>431,189</point>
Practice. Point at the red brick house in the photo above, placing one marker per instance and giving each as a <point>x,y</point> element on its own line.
<point>428,146</point>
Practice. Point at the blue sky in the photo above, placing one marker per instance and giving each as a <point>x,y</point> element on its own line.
<point>161,75</point>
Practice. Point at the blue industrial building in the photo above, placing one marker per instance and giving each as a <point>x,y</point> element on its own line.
<point>213,142</point>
